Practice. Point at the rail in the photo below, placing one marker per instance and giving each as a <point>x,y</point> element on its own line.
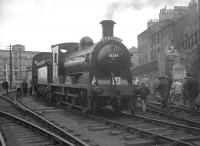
<point>65,133</point>
<point>2,141</point>
<point>57,138</point>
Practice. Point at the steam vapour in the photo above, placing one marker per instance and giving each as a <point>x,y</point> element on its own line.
<point>120,5</point>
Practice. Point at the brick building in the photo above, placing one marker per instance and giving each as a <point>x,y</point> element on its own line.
<point>21,63</point>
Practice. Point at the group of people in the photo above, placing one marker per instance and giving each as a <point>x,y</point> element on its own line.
<point>23,88</point>
<point>186,93</point>
<point>177,92</point>
<point>168,91</point>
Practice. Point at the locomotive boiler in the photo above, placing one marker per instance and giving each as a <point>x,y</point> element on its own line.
<point>91,75</point>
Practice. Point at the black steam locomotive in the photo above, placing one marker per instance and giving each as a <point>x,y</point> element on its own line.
<point>85,74</point>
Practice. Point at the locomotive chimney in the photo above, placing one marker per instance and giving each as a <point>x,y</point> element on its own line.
<point>107,28</point>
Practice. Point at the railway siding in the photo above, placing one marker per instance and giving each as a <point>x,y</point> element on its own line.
<point>181,115</point>
<point>112,132</point>
<point>11,108</point>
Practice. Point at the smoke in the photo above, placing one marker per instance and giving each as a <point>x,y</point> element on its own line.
<point>120,5</point>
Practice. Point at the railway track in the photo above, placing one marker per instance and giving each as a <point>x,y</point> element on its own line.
<point>11,108</point>
<point>182,115</point>
<point>176,133</point>
<point>22,133</point>
<point>123,129</point>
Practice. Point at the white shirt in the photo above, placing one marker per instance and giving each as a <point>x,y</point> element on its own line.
<point>177,87</point>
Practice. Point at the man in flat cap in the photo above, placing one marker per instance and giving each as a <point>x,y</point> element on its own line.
<point>192,86</point>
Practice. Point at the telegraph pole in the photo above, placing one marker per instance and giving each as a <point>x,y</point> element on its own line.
<point>198,41</point>
<point>199,15</point>
<point>20,64</point>
<point>10,66</point>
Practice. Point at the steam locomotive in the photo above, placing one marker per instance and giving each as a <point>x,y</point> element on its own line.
<point>87,75</point>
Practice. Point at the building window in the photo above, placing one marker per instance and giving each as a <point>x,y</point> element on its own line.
<point>151,55</point>
<point>16,73</point>
<point>186,35</point>
<point>28,68</point>
<point>146,59</point>
<point>140,61</point>
<point>55,57</point>
<point>158,50</point>
<point>158,39</point>
<point>195,37</point>
<point>154,39</point>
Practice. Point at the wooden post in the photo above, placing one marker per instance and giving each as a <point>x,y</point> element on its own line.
<point>10,66</point>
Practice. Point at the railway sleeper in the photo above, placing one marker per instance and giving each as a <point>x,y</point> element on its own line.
<point>140,142</point>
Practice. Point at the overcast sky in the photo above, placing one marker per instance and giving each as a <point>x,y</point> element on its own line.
<point>38,24</point>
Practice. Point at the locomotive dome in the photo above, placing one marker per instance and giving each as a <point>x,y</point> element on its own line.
<point>86,42</point>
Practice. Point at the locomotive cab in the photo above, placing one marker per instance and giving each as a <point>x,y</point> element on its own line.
<point>60,51</point>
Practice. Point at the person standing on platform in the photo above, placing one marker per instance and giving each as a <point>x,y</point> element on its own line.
<point>169,80</point>
<point>177,90</point>
<point>137,81</point>
<point>24,87</point>
<point>197,101</point>
<point>193,89</point>
<point>155,92</point>
<point>30,88</point>
<point>18,88</point>
<point>164,90</point>
<point>144,92</point>
<point>5,88</point>
<point>146,81</point>
<point>185,92</point>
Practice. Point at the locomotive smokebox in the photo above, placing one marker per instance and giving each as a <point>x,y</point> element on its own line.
<point>107,28</point>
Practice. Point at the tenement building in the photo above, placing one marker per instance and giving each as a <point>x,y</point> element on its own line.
<point>159,46</point>
<point>18,61</point>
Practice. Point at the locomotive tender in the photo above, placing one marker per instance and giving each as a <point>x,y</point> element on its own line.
<point>87,75</point>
